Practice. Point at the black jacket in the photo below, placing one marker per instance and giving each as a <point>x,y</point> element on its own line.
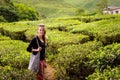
<point>33,44</point>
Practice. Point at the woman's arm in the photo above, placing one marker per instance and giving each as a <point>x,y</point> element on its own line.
<point>36,50</point>
<point>31,45</point>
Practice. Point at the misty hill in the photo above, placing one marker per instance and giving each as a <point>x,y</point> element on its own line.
<point>90,4</point>
<point>60,8</point>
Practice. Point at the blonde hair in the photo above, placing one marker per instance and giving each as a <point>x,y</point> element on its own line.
<point>44,36</point>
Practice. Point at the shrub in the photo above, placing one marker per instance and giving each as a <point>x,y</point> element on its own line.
<point>7,12</point>
<point>10,73</point>
<point>13,53</point>
<point>71,61</point>
<point>108,55</point>
<point>2,19</point>
<point>25,13</point>
<point>57,39</point>
<point>15,12</point>
<point>108,74</point>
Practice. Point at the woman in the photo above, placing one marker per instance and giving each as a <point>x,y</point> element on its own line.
<point>34,48</point>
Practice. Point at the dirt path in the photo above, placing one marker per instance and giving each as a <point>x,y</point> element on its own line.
<point>49,73</point>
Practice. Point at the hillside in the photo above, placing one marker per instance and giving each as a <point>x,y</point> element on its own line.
<point>90,4</point>
<point>50,8</point>
<point>61,8</point>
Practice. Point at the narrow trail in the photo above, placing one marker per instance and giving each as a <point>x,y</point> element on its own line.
<point>49,73</point>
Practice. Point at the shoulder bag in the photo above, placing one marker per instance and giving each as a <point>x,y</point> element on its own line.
<point>34,61</point>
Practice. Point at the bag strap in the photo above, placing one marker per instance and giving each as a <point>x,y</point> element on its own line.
<point>37,42</point>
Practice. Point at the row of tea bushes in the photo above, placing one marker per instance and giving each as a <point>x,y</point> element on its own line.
<point>14,60</point>
<point>69,52</point>
<point>106,31</point>
<point>25,30</point>
<point>61,24</point>
<point>19,30</point>
<point>57,39</point>
<point>4,37</point>
<point>101,30</point>
<point>89,60</point>
<point>63,38</point>
<point>71,61</point>
<point>10,73</point>
<point>88,19</point>
<point>108,55</point>
<point>105,60</point>
<point>108,74</point>
<point>13,53</point>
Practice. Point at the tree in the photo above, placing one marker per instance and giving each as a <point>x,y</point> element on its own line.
<point>10,12</point>
<point>101,5</point>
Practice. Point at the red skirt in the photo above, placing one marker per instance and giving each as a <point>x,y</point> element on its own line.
<point>40,74</point>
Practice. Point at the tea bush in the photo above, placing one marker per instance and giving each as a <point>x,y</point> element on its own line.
<point>108,74</point>
<point>4,38</point>
<point>57,39</point>
<point>14,60</point>
<point>10,73</point>
<point>108,55</point>
<point>78,50</point>
<point>13,53</point>
<point>106,31</point>
<point>71,61</point>
<point>2,19</point>
<point>61,24</point>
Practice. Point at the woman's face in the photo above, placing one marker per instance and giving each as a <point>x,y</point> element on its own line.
<point>41,31</point>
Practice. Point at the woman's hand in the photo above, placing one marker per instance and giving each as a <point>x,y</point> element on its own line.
<point>39,49</point>
<point>36,50</point>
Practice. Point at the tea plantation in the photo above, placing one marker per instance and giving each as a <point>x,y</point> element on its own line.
<point>79,48</point>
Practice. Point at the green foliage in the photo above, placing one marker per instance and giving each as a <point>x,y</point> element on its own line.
<point>80,11</point>
<point>5,2</point>
<point>2,19</point>
<point>13,54</point>
<point>101,5</point>
<point>10,73</point>
<point>4,38</point>
<point>50,8</point>
<point>92,5</point>
<point>10,31</point>
<point>17,11</point>
<point>77,47</point>
<point>61,23</point>
<point>108,74</point>
<point>25,13</point>
<point>108,55</point>
<point>106,31</point>
<point>71,61</point>
<point>88,19</point>
<point>23,30</point>
<point>57,39</point>
<point>7,12</point>
<point>63,8</point>
<point>14,60</point>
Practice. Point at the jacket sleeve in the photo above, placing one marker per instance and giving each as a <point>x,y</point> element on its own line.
<point>29,48</point>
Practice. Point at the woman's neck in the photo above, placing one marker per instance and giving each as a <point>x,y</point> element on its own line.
<point>40,38</point>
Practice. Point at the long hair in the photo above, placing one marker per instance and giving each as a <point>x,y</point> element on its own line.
<point>44,36</point>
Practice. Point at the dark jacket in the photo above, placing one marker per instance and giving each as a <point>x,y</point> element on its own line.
<point>33,44</point>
